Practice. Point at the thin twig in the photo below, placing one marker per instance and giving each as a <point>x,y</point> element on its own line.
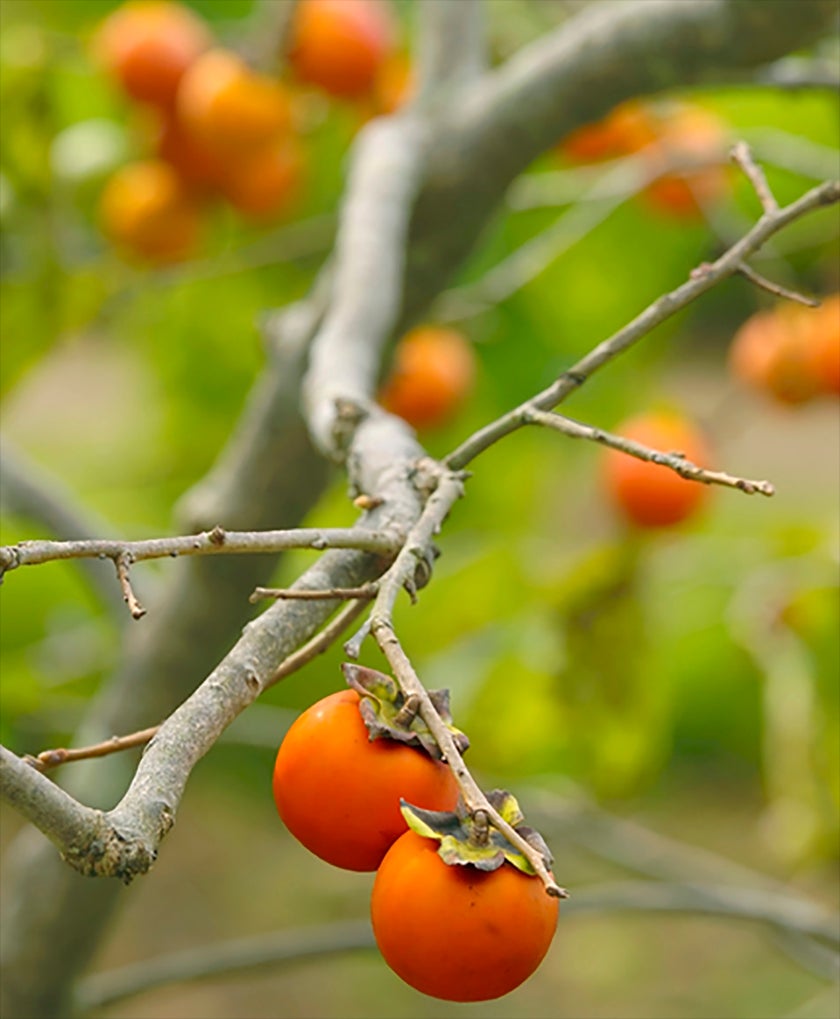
<point>776,288</point>
<point>673,460</point>
<point>122,563</point>
<point>473,796</point>
<point>700,280</point>
<point>214,542</point>
<point>743,158</point>
<point>47,759</point>
<point>367,592</point>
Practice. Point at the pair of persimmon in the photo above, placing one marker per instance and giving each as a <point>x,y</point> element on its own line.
<point>451,931</point>
<point>661,134</point>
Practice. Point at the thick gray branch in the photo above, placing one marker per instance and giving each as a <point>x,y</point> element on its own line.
<point>607,53</point>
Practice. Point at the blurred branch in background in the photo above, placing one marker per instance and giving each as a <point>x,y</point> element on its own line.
<point>30,492</point>
<point>786,914</point>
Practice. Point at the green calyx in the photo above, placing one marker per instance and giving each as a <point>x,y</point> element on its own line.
<point>389,714</point>
<point>472,839</point>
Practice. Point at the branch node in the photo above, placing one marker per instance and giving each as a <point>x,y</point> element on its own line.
<point>217,536</point>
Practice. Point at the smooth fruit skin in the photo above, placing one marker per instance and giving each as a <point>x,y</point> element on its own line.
<point>146,211</point>
<point>147,46</point>
<point>455,932</point>
<point>826,339</point>
<point>432,375</point>
<point>340,45</point>
<point>649,495</point>
<point>339,793</point>
<point>264,186</point>
<point>790,353</point>
<point>229,108</point>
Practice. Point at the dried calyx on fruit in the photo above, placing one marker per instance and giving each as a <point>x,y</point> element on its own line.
<point>386,711</point>
<point>470,838</point>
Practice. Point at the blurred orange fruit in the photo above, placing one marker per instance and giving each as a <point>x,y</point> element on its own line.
<point>147,45</point>
<point>432,375</point>
<point>146,211</point>
<point>265,185</point>
<point>340,45</point>
<point>228,107</point>
<point>650,495</point>
<point>792,353</point>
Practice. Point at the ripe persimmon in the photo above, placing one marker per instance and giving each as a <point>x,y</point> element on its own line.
<point>649,494</point>
<point>626,129</point>
<point>339,793</point>
<point>229,108</point>
<point>454,931</point>
<point>432,374</point>
<point>147,45</point>
<point>265,185</point>
<point>146,210</point>
<point>790,352</point>
<point>664,134</point>
<point>340,45</point>
<point>827,343</point>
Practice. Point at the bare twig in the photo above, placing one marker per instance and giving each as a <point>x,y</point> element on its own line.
<point>742,157</point>
<point>701,279</point>
<point>673,460</point>
<point>366,592</point>
<point>47,759</point>
<point>123,563</point>
<point>215,542</point>
<point>776,288</point>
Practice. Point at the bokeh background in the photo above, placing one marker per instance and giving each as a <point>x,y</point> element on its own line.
<point>686,679</point>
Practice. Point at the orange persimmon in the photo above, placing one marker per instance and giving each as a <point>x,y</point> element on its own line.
<point>433,373</point>
<point>651,495</point>
<point>147,46</point>
<point>454,931</point>
<point>339,793</point>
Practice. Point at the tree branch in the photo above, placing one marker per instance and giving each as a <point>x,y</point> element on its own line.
<point>786,914</point>
<point>672,460</point>
<point>701,279</point>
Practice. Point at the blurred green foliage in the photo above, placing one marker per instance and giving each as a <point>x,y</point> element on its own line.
<point>571,646</point>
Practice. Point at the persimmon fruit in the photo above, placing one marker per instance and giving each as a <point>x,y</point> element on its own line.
<point>340,45</point>
<point>662,134</point>
<point>229,108</point>
<point>626,129</point>
<point>689,132</point>
<point>650,495</point>
<point>790,353</point>
<point>265,185</point>
<point>147,46</point>
<point>146,210</point>
<point>433,373</point>
<point>456,932</point>
<point>339,793</point>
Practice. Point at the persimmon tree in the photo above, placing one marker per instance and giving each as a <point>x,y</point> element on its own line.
<point>422,186</point>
